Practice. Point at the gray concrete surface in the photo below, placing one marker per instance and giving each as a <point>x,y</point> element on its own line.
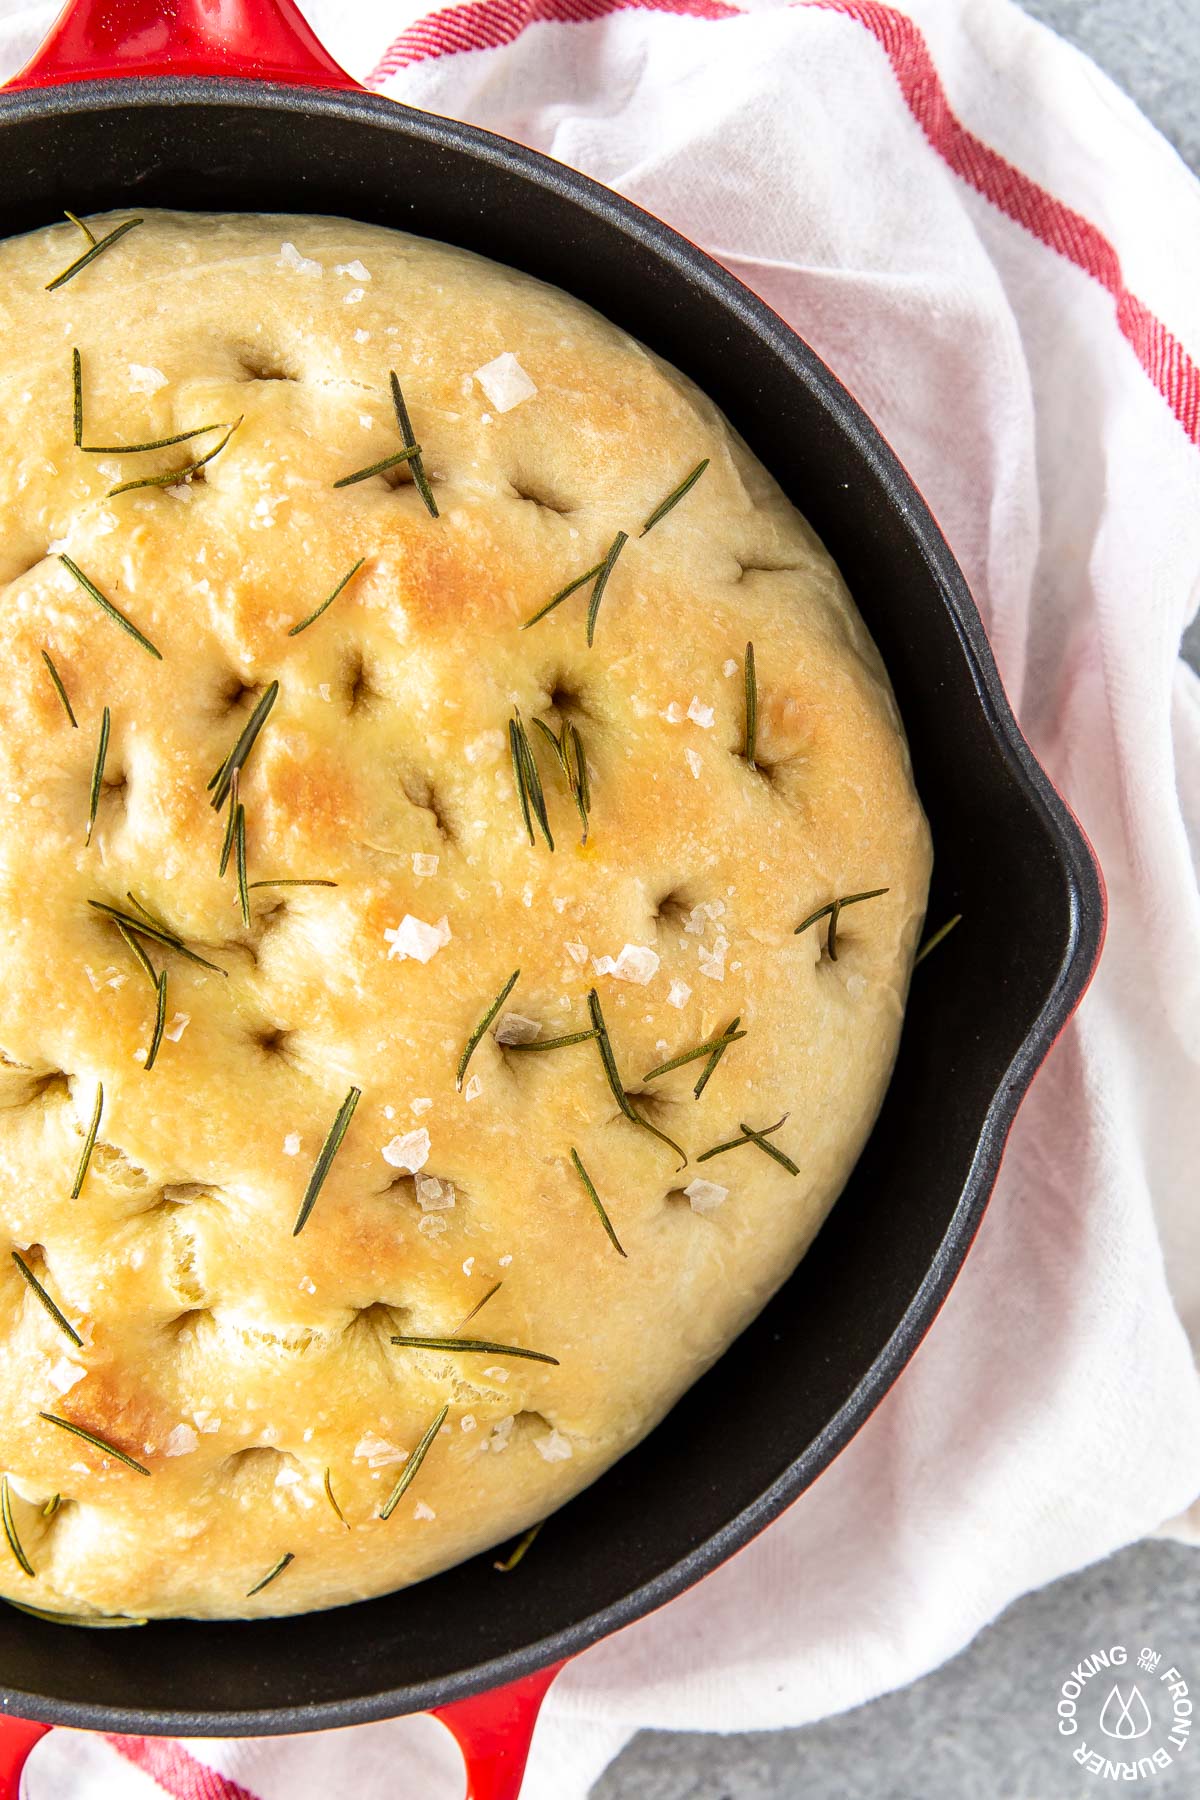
<point>983,1727</point>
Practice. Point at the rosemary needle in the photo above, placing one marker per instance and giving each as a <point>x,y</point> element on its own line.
<point>324,1162</point>
<point>556,1043</point>
<point>568,749</point>
<point>270,1575</point>
<point>473,1347</point>
<point>102,600</point>
<point>10,1529</point>
<point>516,1555</point>
<point>59,689</point>
<point>413,1465</point>
<point>220,782</point>
<point>720,1042</point>
<point>410,443</point>
<point>480,1304</point>
<point>158,933</point>
<point>748,747</point>
<point>833,909</point>
<point>596,1201</point>
<point>528,782</point>
<point>160,1020</point>
<point>295,630</point>
<point>332,1498</point>
<point>674,497</point>
<point>757,1138</point>
<point>60,1318</point>
<point>52,1505</point>
<point>615,1083</point>
<point>564,594</point>
<point>77,398</point>
<point>87,231</point>
<point>91,1621</point>
<point>606,569</point>
<point>97,1443</point>
<point>746,1138</point>
<point>166,443</point>
<point>377,468</point>
<point>230,825</point>
<point>476,1036</point>
<point>89,1143</point>
<point>710,1067</point>
<point>239,836</point>
<point>135,949</point>
<point>931,943</point>
<point>98,772</point>
<point>281,881</point>
<point>95,249</point>
<point>174,477</point>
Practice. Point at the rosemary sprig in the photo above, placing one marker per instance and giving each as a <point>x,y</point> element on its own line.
<point>376,468</point>
<point>480,1304</point>
<point>89,1143</point>
<point>239,838</point>
<point>96,247</point>
<point>158,933</point>
<point>270,1575</point>
<point>833,910</point>
<point>508,1563</point>
<point>324,1162</point>
<point>721,1042</point>
<point>410,444</point>
<point>59,689</point>
<point>219,784</point>
<point>473,1347</point>
<point>748,1137</point>
<point>92,1621</point>
<point>160,1020</point>
<point>476,1036</point>
<point>564,593</point>
<point>282,881</point>
<point>615,1083</point>
<point>98,772</point>
<point>771,1150</point>
<point>10,1529</point>
<point>568,749</point>
<point>931,943</point>
<point>710,1067</point>
<point>409,1473</point>
<point>674,497</point>
<point>332,1498</point>
<point>528,781</point>
<point>97,1443</point>
<point>596,1201</point>
<point>556,1043</point>
<point>601,582</point>
<point>59,1317</point>
<point>174,477</point>
<point>114,612</point>
<point>751,738</point>
<point>295,630</point>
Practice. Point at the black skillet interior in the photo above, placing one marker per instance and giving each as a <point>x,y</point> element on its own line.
<point>984,1009</point>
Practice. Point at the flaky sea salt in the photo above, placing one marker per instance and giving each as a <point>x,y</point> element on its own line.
<point>353,297</point>
<point>177,1027</point>
<point>377,1452</point>
<point>515,1028</point>
<point>555,1448</point>
<point>434,1195</point>
<point>468,1265</point>
<point>712,962</point>
<point>424,865</point>
<point>679,994</point>
<point>291,1144</point>
<point>473,1089</point>
<point>413,937</point>
<point>145,379</point>
<point>180,1442</point>
<point>354,269</point>
<point>497,1438</point>
<point>705,1196</point>
<point>504,1261</point>
<point>674,714</point>
<point>431,1225</point>
<point>423,1511</point>
<point>636,963</point>
<point>290,258</point>
<point>701,715</point>
<point>361,336</point>
<point>577,952</point>
<point>468,1422</point>
<point>505,382</point>
<point>409,1150</point>
<point>416,1107</point>
<point>484,748</point>
<point>694,762</point>
<point>307,1285</point>
<point>729,666</point>
<point>65,1374</point>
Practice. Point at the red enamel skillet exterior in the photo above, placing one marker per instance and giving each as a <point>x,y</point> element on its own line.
<point>981,1021</point>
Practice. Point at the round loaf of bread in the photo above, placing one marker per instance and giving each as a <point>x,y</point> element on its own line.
<point>308,792</point>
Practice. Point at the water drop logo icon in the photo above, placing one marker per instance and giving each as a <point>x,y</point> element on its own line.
<point>1125,1717</point>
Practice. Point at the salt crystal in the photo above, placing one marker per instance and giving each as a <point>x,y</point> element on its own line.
<point>65,1374</point>
<point>468,1422</point>
<point>679,995</point>
<point>500,1433</point>
<point>856,986</point>
<point>180,1442</point>
<point>704,716</point>
<point>705,1196</point>
<point>431,1225</point>
<point>291,1144</point>
<point>692,758</point>
<point>424,865</point>
<point>206,1421</point>
<point>413,937</point>
<point>504,1261</point>
<point>354,296</point>
<point>674,714</point>
<point>515,1028</point>
<point>389,1112</point>
<point>409,1150</point>
<point>415,1107</point>
<point>354,269</point>
<point>377,1452</point>
<point>434,1195</point>
<point>486,747</point>
<point>365,422</point>
<point>577,952</point>
<point>729,666</point>
<point>421,1511</point>
<point>555,1448</point>
<point>361,336</point>
<point>137,1257</point>
<point>468,1265</point>
<point>177,1027</point>
<point>496,1374</point>
<point>325,691</point>
<point>145,379</point>
<point>473,1088</point>
<point>636,963</point>
<point>307,1285</point>
<point>290,258</point>
<point>505,382</point>
<point>712,962</point>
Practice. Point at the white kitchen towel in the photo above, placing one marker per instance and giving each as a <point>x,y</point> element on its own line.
<point>1001,258</point>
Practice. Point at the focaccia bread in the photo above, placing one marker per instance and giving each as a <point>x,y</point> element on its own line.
<point>242,1147</point>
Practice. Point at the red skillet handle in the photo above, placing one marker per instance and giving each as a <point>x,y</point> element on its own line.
<point>261,40</point>
<point>493,1730</point>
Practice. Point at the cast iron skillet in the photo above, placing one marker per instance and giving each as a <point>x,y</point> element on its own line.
<point>239,107</point>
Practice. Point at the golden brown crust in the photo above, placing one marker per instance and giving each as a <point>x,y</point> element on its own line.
<point>236,1361</point>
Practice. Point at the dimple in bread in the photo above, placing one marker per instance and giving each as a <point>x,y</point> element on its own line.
<point>267,863</point>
